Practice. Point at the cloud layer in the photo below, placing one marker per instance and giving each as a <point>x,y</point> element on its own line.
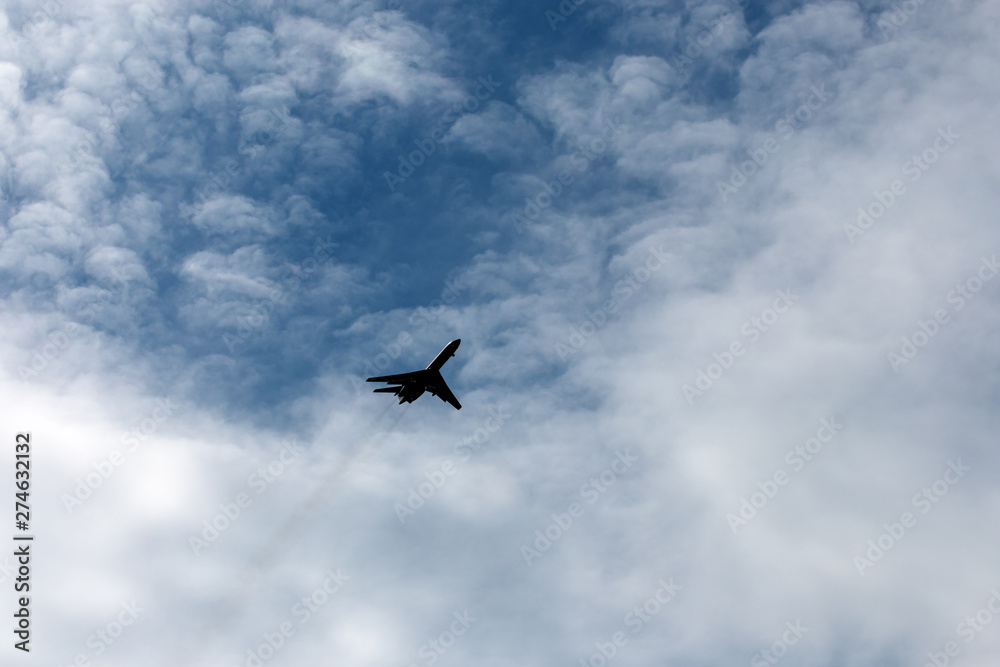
<point>723,275</point>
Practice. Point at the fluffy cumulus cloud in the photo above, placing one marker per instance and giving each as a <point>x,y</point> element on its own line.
<point>724,275</point>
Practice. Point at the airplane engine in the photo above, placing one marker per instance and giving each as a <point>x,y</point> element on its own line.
<point>409,393</point>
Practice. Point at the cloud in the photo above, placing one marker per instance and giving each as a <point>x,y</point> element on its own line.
<point>498,132</point>
<point>731,248</point>
<point>228,215</point>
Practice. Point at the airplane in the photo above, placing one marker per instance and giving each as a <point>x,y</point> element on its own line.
<point>412,385</point>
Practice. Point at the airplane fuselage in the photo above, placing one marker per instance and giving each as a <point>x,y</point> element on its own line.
<point>444,355</point>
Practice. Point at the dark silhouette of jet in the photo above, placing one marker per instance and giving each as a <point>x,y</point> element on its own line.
<point>412,385</point>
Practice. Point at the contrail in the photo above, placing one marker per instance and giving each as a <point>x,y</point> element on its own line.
<point>306,508</point>
<point>233,605</point>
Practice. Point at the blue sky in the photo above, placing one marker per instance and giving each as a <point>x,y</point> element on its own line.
<point>722,274</point>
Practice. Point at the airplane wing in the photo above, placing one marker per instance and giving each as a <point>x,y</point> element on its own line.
<point>398,379</point>
<point>430,379</point>
<point>439,388</point>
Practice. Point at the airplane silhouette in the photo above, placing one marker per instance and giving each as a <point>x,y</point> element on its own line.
<point>412,385</point>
